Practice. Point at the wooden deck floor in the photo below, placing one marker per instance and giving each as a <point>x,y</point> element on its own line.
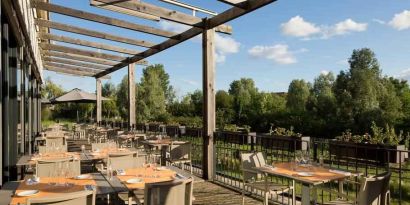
<point>210,193</point>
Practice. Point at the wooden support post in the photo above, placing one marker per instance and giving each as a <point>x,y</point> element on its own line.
<point>99,107</point>
<point>131,95</point>
<point>208,83</point>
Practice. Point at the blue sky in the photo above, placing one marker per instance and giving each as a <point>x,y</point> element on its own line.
<point>286,40</point>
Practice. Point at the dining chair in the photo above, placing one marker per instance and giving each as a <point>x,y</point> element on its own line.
<point>253,179</point>
<point>80,197</point>
<point>374,190</point>
<point>56,140</point>
<point>99,146</point>
<point>180,154</point>
<point>49,168</point>
<point>52,149</point>
<point>167,193</point>
<point>122,160</point>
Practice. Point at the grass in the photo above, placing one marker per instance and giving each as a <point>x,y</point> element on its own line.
<point>48,123</point>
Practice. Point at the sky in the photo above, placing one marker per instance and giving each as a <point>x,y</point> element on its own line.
<point>286,40</point>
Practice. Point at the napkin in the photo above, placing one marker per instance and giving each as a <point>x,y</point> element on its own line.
<point>340,172</point>
<point>180,176</point>
<point>33,180</point>
<point>120,172</point>
<point>89,187</point>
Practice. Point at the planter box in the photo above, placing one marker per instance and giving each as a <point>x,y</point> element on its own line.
<point>379,154</point>
<point>172,130</point>
<point>289,143</point>
<point>239,138</point>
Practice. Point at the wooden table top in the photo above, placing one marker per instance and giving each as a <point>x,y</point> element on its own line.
<point>46,189</point>
<point>32,159</point>
<point>163,142</point>
<point>290,170</point>
<point>148,175</point>
<point>103,153</point>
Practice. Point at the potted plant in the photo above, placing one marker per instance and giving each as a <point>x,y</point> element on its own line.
<point>382,146</point>
<point>286,139</point>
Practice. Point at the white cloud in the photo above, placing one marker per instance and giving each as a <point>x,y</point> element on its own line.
<point>298,27</point>
<point>279,53</point>
<point>379,21</point>
<point>224,45</point>
<point>345,27</point>
<point>324,72</point>
<point>404,74</point>
<point>401,20</point>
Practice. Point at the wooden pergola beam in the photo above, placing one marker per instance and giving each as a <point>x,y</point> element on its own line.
<point>65,49</point>
<point>70,67</point>
<point>164,13</point>
<point>71,72</point>
<point>75,63</point>
<point>86,59</point>
<point>78,57</point>
<point>90,44</point>
<point>124,11</point>
<point>213,22</point>
<point>100,19</point>
<point>91,33</point>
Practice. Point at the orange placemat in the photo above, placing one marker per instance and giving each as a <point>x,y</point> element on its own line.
<point>148,175</point>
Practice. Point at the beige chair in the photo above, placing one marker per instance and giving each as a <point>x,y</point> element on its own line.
<point>99,146</point>
<point>167,193</point>
<point>122,160</point>
<point>81,197</point>
<point>50,168</point>
<point>180,154</point>
<point>254,180</point>
<point>373,191</point>
<point>55,140</point>
<point>51,149</point>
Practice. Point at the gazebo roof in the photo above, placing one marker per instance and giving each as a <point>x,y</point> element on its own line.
<point>77,95</point>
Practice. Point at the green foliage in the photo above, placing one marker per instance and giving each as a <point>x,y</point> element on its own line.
<point>280,131</point>
<point>298,94</point>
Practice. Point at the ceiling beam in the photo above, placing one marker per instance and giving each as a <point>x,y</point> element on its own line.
<point>85,59</point>
<point>38,4</point>
<point>90,44</point>
<point>91,33</point>
<point>75,63</point>
<point>164,13</point>
<point>65,49</point>
<point>189,6</point>
<point>213,22</point>
<point>124,11</point>
<point>71,72</point>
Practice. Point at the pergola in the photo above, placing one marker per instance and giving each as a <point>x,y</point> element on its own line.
<point>82,62</point>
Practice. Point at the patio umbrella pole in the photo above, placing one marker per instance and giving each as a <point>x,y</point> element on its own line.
<point>78,118</point>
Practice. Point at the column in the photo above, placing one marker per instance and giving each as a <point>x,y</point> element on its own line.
<point>98,86</point>
<point>208,83</point>
<point>131,95</point>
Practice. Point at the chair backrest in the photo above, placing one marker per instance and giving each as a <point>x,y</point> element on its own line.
<point>373,189</point>
<point>180,151</point>
<point>169,193</point>
<point>249,161</point>
<point>99,146</point>
<point>81,197</point>
<point>122,160</point>
<point>50,149</point>
<point>50,168</point>
<point>57,141</point>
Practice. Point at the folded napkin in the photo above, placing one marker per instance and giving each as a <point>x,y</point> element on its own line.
<point>33,180</point>
<point>120,172</point>
<point>180,176</point>
<point>89,187</point>
<point>340,172</point>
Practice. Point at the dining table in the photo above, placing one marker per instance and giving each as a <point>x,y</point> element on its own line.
<point>309,175</point>
<point>49,187</point>
<point>135,178</point>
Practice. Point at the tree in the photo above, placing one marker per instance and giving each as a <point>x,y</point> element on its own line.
<point>109,107</point>
<point>122,98</point>
<point>242,91</point>
<point>50,90</point>
<point>298,94</point>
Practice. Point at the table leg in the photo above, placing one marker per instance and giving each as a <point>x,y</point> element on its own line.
<point>305,194</point>
<point>293,192</point>
<point>265,201</point>
<point>340,186</point>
